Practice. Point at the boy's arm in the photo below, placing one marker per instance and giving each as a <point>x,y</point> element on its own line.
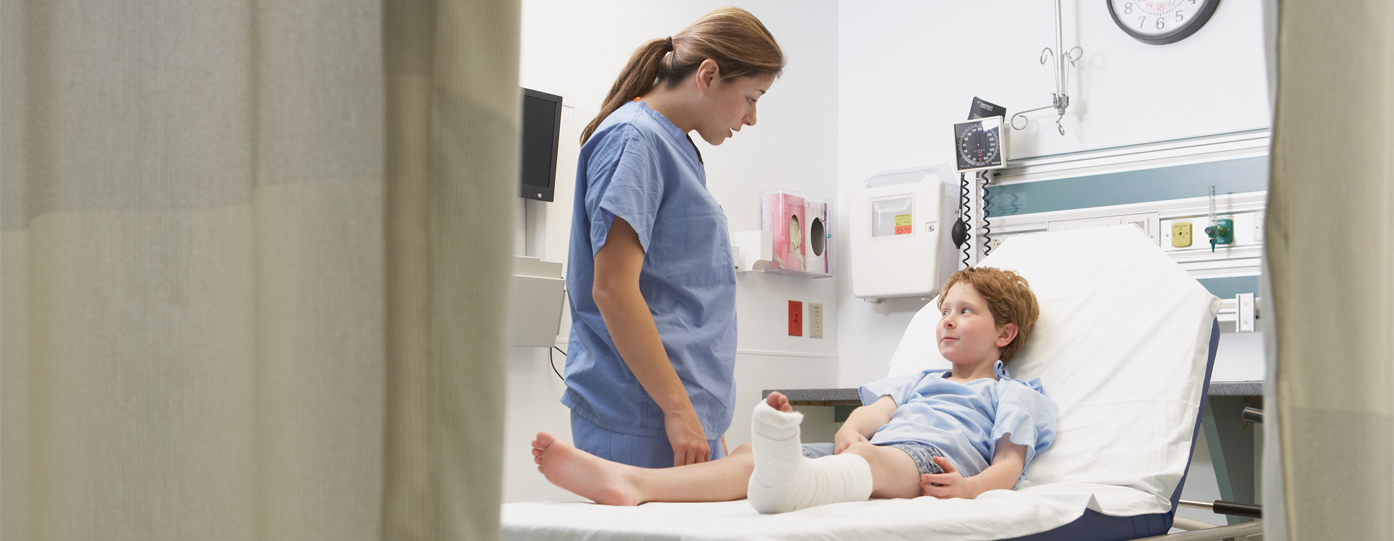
<point>1007,463</point>
<point>863,423</point>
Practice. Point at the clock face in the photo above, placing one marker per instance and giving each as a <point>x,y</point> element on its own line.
<point>1161,21</point>
<point>978,146</point>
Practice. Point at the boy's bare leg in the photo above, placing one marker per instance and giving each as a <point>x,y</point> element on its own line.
<point>612,483</point>
<point>893,473</point>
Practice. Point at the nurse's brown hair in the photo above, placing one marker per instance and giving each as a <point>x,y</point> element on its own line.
<point>739,43</point>
<point>1009,298</point>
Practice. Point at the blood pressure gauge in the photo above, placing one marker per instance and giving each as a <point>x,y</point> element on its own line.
<point>980,144</point>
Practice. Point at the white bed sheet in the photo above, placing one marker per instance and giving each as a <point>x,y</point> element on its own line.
<point>1121,346</point>
<point>999,514</point>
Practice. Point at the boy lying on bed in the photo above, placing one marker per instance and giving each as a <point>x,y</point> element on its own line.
<point>942,433</point>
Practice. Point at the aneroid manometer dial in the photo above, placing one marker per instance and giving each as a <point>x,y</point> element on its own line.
<point>978,144</point>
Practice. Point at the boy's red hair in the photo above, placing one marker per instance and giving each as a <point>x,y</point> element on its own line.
<point>1009,298</point>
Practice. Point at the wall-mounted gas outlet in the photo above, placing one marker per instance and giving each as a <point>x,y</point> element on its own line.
<point>1220,233</point>
<point>815,320</point>
<point>1180,234</point>
<point>795,318</point>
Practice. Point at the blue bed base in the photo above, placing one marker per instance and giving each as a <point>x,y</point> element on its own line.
<point>1095,526</point>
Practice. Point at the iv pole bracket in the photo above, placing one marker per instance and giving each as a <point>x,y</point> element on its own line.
<point>1060,101</point>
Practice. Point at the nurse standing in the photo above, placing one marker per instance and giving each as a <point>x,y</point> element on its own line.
<point>651,365</point>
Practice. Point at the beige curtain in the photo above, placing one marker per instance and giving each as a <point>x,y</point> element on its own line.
<point>214,326</point>
<point>1330,242</point>
<point>453,104</point>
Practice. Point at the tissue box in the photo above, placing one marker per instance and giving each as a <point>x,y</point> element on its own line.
<point>801,230</point>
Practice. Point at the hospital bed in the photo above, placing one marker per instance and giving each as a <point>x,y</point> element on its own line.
<point>1124,345</point>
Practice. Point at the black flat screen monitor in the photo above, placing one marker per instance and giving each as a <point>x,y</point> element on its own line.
<point>541,133</point>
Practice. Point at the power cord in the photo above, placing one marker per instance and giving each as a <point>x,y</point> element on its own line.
<point>551,360</point>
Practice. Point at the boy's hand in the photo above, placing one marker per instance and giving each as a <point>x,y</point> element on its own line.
<point>844,438</point>
<point>949,484</point>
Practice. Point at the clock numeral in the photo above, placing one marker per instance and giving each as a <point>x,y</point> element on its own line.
<point>1161,23</point>
<point>1128,8</point>
<point>1141,20</point>
<point>1180,17</point>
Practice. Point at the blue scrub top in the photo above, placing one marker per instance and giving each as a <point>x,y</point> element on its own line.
<point>965,420</point>
<point>642,168</point>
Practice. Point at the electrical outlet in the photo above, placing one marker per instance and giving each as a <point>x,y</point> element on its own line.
<point>995,243</point>
<point>1180,234</point>
<point>795,318</point>
<point>815,320</point>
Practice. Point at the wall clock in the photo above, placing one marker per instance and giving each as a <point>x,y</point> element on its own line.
<point>1160,22</point>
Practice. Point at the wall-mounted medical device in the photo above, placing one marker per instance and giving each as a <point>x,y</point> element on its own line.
<point>539,292</point>
<point>541,127</point>
<point>800,233</point>
<point>899,227</point>
<point>980,144</point>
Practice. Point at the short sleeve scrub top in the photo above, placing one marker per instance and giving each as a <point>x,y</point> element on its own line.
<point>640,167</point>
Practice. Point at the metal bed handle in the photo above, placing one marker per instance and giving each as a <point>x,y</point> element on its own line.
<point>1222,507</point>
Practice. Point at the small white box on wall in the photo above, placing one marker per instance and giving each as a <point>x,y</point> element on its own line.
<point>900,225</point>
<point>539,293</point>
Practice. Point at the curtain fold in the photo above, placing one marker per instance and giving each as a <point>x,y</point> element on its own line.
<point>202,334</point>
<point>1329,237</point>
<point>453,104</point>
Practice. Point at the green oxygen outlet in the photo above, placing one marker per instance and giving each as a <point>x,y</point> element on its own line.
<point>1220,233</point>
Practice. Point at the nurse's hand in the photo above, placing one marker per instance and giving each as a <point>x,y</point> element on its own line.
<point>688,439</point>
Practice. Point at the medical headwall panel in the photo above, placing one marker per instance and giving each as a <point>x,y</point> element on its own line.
<point>899,228</point>
<point>1172,189</point>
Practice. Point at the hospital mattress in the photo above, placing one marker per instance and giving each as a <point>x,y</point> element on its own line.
<point>999,514</point>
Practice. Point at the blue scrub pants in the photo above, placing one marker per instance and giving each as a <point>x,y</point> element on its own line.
<point>642,451</point>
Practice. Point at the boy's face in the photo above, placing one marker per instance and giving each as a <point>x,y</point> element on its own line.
<point>966,332</point>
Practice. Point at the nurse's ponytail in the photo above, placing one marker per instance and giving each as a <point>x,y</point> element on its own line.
<point>739,43</point>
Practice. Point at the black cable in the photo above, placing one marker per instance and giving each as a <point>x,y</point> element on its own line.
<point>552,361</point>
<point>987,224</point>
<point>963,204</point>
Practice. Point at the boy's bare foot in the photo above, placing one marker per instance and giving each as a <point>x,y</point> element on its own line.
<point>778,401</point>
<point>606,482</point>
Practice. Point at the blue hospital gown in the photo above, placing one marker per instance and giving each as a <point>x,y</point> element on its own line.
<point>965,420</point>
<point>640,167</point>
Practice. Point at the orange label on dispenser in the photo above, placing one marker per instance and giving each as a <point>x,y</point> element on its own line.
<point>902,224</point>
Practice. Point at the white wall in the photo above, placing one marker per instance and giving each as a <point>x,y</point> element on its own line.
<point>576,49</point>
<point>909,70</point>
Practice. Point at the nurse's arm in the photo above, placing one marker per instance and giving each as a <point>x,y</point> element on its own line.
<point>626,314</point>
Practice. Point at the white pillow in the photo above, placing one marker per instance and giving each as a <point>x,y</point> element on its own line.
<point>1121,346</point>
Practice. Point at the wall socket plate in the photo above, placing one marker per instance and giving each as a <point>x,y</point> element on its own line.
<point>795,318</point>
<point>815,320</point>
<point>1180,234</point>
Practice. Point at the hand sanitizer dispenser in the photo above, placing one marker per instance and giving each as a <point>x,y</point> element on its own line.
<point>899,228</point>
